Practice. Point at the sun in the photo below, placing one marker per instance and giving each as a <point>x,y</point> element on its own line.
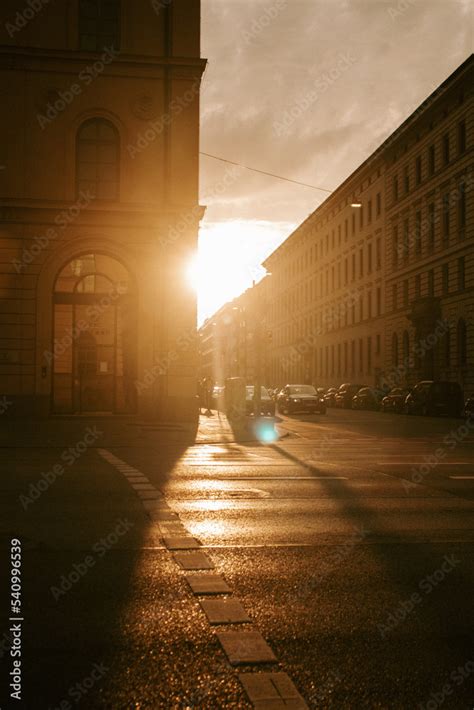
<point>229,260</point>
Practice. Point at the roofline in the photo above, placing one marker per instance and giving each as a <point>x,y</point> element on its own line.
<point>447,83</point>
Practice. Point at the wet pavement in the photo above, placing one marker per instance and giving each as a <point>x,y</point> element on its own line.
<point>346,545</point>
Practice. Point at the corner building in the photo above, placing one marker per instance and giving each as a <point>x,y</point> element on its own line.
<point>377,285</point>
<point>99,207</point>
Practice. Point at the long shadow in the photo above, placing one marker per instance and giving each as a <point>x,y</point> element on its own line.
<point>83,532</point>
<point>423,557</point>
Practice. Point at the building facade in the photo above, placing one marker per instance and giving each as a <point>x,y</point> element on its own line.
<point>99,209</point>
<point>377,285</point>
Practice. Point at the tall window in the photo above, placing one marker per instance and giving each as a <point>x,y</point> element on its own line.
<point>395,245</point>
<point>446,217</point>
<point>418,286</point>
<point>418,169</point>
<point>97,159</point>
<point>99,25</point>
<point>447,348</point>
<point>431,226</point>
<point>462,343</point>
<point>406,180</point>
<point>462,136</point>
<point>405,293</point>
<point>446,148</point>
<point>431,159</point>
<point>431,288</point>
<point>395,350</point>
<point>462,206</point>
<point>378,204</point>
<point>418,232</point>
<point>445,272</point>
<point>406,347</point>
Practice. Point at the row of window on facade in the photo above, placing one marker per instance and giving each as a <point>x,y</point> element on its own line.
<point>330,280</point>
<point>425,166</point>
<point>402,350</point>
<point>425,284</point>
<point>328,243</point>
<point>409,239</point>
<point>347,358</point>
<point>341,315</point>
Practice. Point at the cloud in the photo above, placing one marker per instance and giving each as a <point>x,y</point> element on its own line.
<point>400,51</point>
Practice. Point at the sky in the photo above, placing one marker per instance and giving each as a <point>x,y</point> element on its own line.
<point>305,89</point>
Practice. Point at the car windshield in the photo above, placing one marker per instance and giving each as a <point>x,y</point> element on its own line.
<point>302,389</point>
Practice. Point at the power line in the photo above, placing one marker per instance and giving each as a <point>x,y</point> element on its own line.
<point>263,172</point>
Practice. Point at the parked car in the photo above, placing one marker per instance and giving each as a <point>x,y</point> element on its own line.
<point>394,401</point>
<point>345,393</point>
<point>300,398</point>
<point>433,398</point>
<point>368,398</point>
<point>329,396</point>
<point>267,405</point>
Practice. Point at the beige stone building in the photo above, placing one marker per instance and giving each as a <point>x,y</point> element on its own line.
<point>429,225</point>
<point>99,208</point>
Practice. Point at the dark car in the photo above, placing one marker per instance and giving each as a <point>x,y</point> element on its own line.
<point>267,405</point>
<point>329,396</point>
<point>300,398</point>
<point>433,398</point>
<point>368,398</point>
<point>345,393</point>
<point>394,401</point>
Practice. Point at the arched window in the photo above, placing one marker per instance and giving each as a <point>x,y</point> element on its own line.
<point>97,159</point>
<point>99,25</point>
<point>395,350</point>
<point>462,343</point>
<point>406,348</point>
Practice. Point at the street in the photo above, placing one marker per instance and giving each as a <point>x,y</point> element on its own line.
<point>347,542</point>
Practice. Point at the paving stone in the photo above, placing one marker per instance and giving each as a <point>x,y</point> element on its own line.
<point>163,515</point>
<point>184,542</point>
<point>149,495</point>
<point>208,584</point>
<point>156,505</point>
<point>245,647</point>
<point>271,690</point>
<point>193,560</point>
<point>143,486</point>
<point>224,611</point>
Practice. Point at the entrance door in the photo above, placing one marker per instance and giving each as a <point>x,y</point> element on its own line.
<point>94,338</point>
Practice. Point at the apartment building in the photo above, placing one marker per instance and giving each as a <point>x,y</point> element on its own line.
<point>376,286</point>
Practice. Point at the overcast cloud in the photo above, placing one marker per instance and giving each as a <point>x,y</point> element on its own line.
<point>359,66</point>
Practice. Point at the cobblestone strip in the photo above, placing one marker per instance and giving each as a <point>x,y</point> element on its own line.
<point>264,690</point>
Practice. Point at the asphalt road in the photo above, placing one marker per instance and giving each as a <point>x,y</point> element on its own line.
<point>348,541</point>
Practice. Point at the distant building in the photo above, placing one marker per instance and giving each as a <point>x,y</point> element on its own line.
<point>377,285</point>
<point>99,207</point>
